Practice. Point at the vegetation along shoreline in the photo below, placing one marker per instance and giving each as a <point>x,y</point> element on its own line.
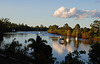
<point>92,33</point>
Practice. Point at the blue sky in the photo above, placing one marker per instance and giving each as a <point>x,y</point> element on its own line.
<point>37,12</point>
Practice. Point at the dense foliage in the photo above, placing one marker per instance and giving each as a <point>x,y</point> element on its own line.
<point>7,26</point>
<point>73,58</point>
<point>12,52</point>
<point>42,52</point>
<point>77,31</point>
<point>94,53</point>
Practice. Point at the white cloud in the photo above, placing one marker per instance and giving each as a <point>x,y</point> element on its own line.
<point>74,13</point>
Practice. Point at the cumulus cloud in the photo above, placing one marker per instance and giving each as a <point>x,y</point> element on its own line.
<point>75,13</point>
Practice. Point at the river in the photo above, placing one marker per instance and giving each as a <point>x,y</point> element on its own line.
<point>59,51</point>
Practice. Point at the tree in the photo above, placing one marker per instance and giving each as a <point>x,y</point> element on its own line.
<point>53,27</point>
<point>42,52</point>
<point>85,29</point>
<point>66,27</point>
<point>14,47</point>
<point>77,26</point>
<point>94,53</point>
<point>4,24</point>
<point>95,25</point>
<point>41,27</point>
<point>76,30</point>
<point>73,58</point>
<point>36,28</point>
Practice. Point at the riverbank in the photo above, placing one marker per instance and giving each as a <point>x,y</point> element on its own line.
<point>95,39</point>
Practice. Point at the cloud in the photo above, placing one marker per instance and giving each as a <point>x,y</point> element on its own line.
<point>75,13</point>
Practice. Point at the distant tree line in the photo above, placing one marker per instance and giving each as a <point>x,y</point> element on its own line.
<point>7,26</point>
<point>77,31</point>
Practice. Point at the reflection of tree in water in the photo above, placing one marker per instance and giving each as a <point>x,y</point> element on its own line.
<point>9,35</point>
<point>54,38</point>
<point>86,42</point>
<point>14,35</point>
<point>76,43</point>
<point>67,41</point>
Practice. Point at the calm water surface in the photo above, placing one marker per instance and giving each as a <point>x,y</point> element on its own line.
<point>59,50</point>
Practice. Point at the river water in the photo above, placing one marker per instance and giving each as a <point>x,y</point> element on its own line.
<point>59,51</point>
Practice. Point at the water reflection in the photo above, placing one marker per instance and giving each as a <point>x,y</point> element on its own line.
<point>59,50</point>
<point>85,42</point>
<point>67,39</point>
<point>54,38</point>
<point>76,43</point>
<point>58,47</point>
<point>69,45</point>
<point>14,34</point>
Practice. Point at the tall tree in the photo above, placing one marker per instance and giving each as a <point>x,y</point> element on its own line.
<point>76,30</point>
<point>66,27</point>
<point>42,52</point>
<point>77,26</point>
<point>95,25</point>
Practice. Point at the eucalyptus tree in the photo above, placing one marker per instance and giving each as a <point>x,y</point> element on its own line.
<point>96,25</point>
<point>76,30</point>
<point>67,27</point>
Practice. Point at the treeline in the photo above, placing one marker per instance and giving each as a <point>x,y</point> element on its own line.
<point>7,26</point>
<point>77,31</point>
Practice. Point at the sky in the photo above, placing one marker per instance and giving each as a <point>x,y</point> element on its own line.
<point>50,12</point>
